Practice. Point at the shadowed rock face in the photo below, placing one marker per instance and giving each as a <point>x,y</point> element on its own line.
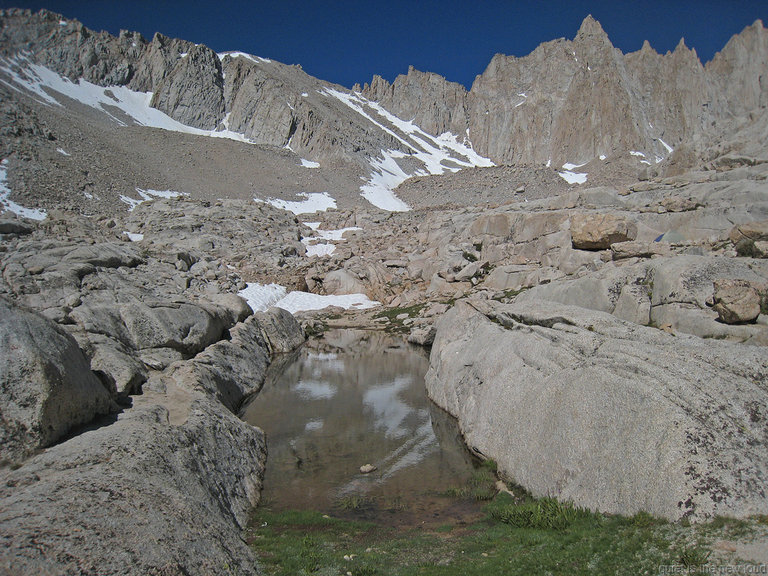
<point>166,482</point>
<point>193,90</point>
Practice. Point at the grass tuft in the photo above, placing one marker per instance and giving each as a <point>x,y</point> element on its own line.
<point>544,514</point>
<point>694,557</point>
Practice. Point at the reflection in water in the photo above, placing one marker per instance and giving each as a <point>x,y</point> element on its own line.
<point>350,399</point>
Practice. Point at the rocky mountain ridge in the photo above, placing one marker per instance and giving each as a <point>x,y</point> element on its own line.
<point>569,103</point>
<point>573,101</point>
<point>229,94</point>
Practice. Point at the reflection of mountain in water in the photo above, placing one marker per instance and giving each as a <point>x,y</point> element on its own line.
<point>350,399</point>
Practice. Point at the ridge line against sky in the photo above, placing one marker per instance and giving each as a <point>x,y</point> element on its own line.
<point>348,42</point>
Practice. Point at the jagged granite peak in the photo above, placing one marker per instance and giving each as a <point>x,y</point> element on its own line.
<point>591,30</point>
<point>572,101</point>
<point>265,101</point>
<point>741,69</point>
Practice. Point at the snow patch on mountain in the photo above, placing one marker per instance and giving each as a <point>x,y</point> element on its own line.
<point>237,54</point>
<point>572,177</point>
<point>263,296</point>
<point>437,154</point>
<point>124,106</point>
<point>317,248</point>
<point>313,202</point>
<point>149,195</point>
<point>7,204</point>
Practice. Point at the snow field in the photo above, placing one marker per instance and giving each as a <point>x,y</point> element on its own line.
<point>263,296</point>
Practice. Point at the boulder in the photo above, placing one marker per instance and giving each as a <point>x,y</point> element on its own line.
<point>10,225</point>
<point>635,249</point>
<point>342,282</point>
<point>143,495</point>
<point>498,225</point>
<point>280,330</point>
<point>559,396</point>
<point>116,366</point>
<point>736,301</point>
<point>745,235</point>
<point>633,304</point>
<point>599,231</point>
<point>422,335</point>
<point>46,384</point>
<point>183,326</point>
<point>470,271</point>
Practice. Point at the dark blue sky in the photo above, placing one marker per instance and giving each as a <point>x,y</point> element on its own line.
<point>347,42</point>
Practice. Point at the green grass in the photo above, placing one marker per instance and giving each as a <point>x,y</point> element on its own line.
<point>517,535</point>
<point>355,502</point>
<point>544,514</point>
<point>391,314</point>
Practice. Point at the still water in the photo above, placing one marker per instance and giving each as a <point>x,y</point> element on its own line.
<point>348,399</point>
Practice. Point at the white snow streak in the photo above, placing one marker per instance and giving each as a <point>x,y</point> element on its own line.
<point>148,195</point>
<point>315,248</point>
<point>573,177</point>
<point>319,250</point>
<point>313,202</point>
<point>7,204</point>
<point>438,154</point>
<point>134,237</point>
<point>124,106</point>
<point>309,163</point>
<point>262,296</point>
<point>667,146</point>
<point>251,57</point>
<point>300,301</point>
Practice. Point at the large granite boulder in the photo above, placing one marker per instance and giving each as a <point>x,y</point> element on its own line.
<point>46,384</point>
<point>600,231</point>
<point>144,495</point>
<point>736,301</point>
<point>613,416</point>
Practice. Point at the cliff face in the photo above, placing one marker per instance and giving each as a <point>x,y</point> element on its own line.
<point>572,101</point>
<point>267,102</point>
<point>569,101</point>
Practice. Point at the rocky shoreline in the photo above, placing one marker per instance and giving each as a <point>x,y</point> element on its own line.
<point>123,450</point>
